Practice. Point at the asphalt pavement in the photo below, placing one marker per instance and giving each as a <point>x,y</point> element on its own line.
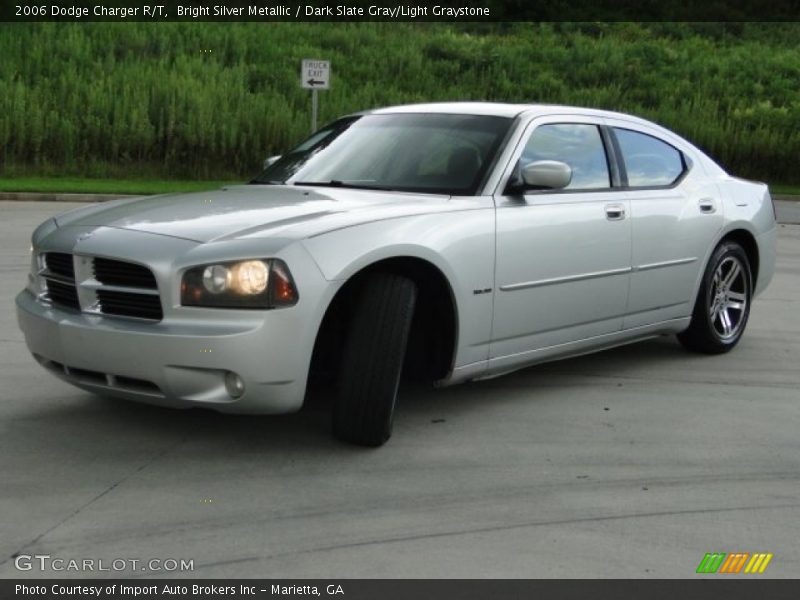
<point>788,210</point>
<point>634,462</point>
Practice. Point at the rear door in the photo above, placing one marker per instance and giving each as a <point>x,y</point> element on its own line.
<point>675,214</point>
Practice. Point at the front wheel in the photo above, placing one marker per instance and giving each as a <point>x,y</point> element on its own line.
<point>723,302</point>
<point>372,359</point>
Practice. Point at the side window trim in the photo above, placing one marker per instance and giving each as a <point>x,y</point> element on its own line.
<point>616,168</point>
<point>686,162</point>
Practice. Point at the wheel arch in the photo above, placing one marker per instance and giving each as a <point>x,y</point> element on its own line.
<point>743,235</point>
<point>434,337</point>
<point>747,241</point>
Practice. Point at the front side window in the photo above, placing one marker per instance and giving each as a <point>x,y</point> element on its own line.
<point>576,144</point>
<point>291,162</point>
<point>649,162</point>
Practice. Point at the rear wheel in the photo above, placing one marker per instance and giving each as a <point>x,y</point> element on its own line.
<point>723,302</point>
<point>372,359</point>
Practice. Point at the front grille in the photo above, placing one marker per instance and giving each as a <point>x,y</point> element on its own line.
<point>129,304</point>
<point>60,264</point>
<point>63,294</point>
<point>105,380</point>
<point>120,288</point>
<point>125,274</point>
<point>137,385</point>
<point>87,376</point>
<point>59,275</point>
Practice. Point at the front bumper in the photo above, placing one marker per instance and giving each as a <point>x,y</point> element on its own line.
<point>181,363</point>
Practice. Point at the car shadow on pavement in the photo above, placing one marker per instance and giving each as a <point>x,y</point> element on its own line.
<point>84,418</point>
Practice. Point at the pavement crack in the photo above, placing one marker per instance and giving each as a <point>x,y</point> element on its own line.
<point>651,379</point>
<point>153,459</point>
<point>492,529</point>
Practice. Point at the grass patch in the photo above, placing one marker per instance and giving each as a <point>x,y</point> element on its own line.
<point>84,185</point>
<point>779,189</point>
<point>207,100</point>
<point>78,185</point>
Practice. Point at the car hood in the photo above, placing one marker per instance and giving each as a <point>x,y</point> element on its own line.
<point>253,211</point>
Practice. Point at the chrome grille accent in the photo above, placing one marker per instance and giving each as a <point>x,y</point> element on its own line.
<point>112,287</point>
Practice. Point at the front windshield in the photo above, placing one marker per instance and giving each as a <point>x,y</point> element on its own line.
<point>428,153</point>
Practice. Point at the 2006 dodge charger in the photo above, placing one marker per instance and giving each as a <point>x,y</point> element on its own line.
<point>447,242</point>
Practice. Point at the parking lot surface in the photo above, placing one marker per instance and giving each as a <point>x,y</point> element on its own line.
<point>634,462</point>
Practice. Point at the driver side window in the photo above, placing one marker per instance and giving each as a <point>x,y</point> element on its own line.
<point>576,144</point>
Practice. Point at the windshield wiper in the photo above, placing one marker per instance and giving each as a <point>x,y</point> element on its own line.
<point>345,184</point>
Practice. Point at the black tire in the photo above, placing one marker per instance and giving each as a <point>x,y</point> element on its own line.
<point>372,360</point>
<point>708,331</point>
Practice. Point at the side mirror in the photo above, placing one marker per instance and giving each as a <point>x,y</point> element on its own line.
<point>272,160</point>
<point>546,174</point>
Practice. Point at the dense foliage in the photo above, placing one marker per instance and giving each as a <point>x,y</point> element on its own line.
<point>212,100</point>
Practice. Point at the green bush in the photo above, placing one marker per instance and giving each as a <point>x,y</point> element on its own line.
<point>209,100</point>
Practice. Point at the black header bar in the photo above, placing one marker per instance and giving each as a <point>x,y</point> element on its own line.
<point>381,10</point>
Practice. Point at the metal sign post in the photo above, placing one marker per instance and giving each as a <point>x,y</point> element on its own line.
<point>314,104</point>
<point>315,75</point>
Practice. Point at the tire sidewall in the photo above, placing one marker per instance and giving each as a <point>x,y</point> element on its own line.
<point>369,381</point>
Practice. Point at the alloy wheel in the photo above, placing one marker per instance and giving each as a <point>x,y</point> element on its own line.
<point>728,298</point>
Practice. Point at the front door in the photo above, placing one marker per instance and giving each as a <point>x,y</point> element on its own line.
<point>563,256</point>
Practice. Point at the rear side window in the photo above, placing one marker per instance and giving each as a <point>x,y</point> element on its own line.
<point>649,162</point>
<point>578,145</point>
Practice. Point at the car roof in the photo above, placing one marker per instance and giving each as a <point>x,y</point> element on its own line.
<point>498,109</point>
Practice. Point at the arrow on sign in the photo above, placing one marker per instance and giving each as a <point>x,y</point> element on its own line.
<point>313,82</point>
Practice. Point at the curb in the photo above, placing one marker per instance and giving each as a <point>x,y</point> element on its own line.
<point>58,197</point>
<point>55,197</point>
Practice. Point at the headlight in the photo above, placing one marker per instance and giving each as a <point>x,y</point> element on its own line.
<point>248,278</point>
<point>260,283</point>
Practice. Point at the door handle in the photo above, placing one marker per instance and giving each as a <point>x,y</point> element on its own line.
<point>707,206</point>
<point>615,212</point>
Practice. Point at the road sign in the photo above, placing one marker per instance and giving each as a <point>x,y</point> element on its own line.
<point>315,74</point>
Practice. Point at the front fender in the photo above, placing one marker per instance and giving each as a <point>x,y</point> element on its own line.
<point>459,244</point>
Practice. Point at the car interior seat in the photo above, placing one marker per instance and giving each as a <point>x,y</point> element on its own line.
<point>462,166</point>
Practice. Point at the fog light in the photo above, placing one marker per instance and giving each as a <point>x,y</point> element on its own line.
<point>234,385</point>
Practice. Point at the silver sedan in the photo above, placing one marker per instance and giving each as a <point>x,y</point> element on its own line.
<point>442,242</point>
